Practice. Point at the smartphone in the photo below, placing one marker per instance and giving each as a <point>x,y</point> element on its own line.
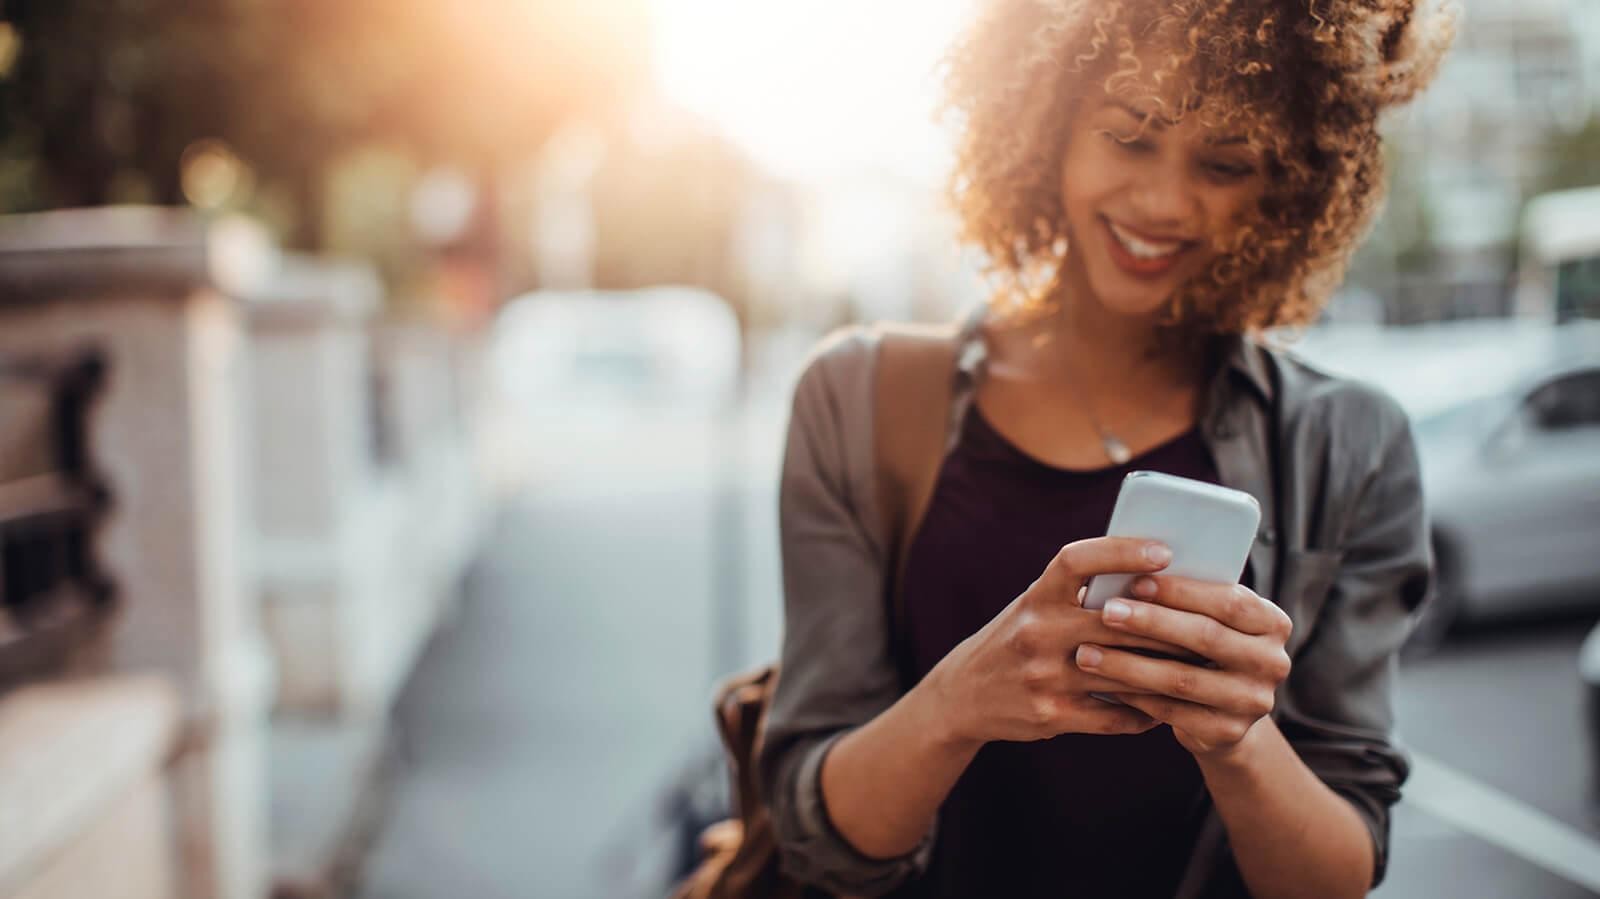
<point>1208,527</point>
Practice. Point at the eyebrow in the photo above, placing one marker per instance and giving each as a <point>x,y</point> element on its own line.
<point>1145,117</point>
<point>1155,123</point>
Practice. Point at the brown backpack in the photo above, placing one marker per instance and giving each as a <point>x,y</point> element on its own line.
<point>911,400</point>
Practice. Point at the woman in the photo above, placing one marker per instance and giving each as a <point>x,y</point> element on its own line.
<point>1154,181</point>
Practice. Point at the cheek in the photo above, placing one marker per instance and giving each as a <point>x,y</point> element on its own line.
<point>1242,204</point>
<point>1228,210</point>
<point>1086,179</point>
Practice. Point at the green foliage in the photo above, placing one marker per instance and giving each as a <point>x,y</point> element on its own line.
<point>1572,159</point>
<point>104,96</point>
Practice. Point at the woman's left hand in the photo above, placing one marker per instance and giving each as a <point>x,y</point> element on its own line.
<point>1210,709</point>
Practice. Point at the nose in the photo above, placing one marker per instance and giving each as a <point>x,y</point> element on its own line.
<point>1164,198</point>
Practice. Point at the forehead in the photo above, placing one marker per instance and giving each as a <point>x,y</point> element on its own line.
<point>1144,79</point>
<point>1171,104</point>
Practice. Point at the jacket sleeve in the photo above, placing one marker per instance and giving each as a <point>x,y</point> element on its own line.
<point>835,672</point>
<point>1337,708</point>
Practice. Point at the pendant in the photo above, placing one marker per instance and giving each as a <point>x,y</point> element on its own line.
<point>1116,449</point>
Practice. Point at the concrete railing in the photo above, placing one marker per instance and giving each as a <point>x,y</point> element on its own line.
<point>83,781</point>
<point>321,512</point>
<point>150,289</point>
<point>367,507</point>
<point>292,499</point>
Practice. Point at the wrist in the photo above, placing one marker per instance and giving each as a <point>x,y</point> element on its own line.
<point>1241,756</point>
<point>936,717</point>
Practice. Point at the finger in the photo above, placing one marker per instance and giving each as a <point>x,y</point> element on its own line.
<point>1209,725</point>
<point>1080,560</point>
<point>1235,605</point>
<point>1092,628</point>
<point>1219,689</point>
<point>1047,629</point>
<point>1082,683</point>
<point>1199,634</point>
<point>1176,712</point>
<point>1101,717</point>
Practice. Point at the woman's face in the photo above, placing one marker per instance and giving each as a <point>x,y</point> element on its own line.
<point>1145,199</point>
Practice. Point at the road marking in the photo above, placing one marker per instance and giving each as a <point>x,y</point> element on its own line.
<point>1504,821</point>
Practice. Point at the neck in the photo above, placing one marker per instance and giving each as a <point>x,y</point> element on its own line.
<point>1101,346</point>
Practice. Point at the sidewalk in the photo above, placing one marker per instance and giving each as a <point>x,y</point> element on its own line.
<point>546,717</point>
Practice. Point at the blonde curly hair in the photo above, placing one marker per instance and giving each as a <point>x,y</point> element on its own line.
<point>1304,80</point>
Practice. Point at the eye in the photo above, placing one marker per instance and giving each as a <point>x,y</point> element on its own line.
<point>1230,171</point>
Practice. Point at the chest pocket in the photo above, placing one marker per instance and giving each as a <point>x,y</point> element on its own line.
<point>1307,577</point>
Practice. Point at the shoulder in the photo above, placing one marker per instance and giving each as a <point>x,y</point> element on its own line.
<point>833,389</point>
<point>830,434</point>
<point>1334,406</point>
<point>842,357</point>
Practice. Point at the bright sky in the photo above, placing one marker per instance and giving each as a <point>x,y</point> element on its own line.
<point>813,86</point>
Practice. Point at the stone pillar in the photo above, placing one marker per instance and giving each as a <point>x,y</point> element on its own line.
<point>321,515</point>
<point>432,395</point>
<point>150,288</point>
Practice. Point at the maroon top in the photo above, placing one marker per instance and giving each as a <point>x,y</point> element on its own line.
<point>1119,813</point>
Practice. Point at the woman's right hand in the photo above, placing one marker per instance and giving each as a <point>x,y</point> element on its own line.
<point>1015,678</point>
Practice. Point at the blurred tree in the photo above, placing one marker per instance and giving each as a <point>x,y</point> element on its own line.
<point>1402,237</point>
<point>103,97</point>
<point>666,209</point>
<point>1572,159</point>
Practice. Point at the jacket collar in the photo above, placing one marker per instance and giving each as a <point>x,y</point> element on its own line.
<point>1241,357</point>
<point>1244,356</point>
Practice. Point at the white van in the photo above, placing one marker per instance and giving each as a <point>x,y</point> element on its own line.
<point>1559,272</point>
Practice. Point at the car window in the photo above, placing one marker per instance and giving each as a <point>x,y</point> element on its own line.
<point>1571,401</point>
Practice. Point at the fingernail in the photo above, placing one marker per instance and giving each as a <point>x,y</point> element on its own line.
<point>1089,656</point>
<point>1144,587</point>
<point>1158,554</point>
<point>1117,610</point>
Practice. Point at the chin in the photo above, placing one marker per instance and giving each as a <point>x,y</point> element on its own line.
<point>1136,300</point>
<point>1122,291</point>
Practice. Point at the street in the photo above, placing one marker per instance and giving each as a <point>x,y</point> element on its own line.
<point>545,723</point>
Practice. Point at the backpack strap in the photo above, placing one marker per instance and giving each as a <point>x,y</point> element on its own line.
<point>915,366</point>
<point>914,372</point>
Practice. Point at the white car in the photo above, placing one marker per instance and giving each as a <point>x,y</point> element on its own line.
<point>597,352</point>
<point>627,383</point>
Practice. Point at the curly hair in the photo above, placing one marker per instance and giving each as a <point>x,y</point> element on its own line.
<point>1305,80</point>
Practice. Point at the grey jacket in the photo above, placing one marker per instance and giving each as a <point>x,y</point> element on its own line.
<point>1349,529</point>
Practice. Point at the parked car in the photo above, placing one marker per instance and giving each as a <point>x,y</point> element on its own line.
<point>593,352</point>
<point>1507,421</point>
<point>616,383</point>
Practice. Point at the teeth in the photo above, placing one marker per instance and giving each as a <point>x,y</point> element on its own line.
<point>1144,249</point>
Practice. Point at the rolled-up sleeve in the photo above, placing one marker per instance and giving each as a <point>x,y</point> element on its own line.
<point>1337,708</point>
<point>836,673</point>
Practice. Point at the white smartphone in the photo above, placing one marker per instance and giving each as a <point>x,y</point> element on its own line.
<point>1208,527</point>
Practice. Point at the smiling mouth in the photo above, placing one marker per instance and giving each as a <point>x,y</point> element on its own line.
<point>1141,255</point>
<point>1144,247</point>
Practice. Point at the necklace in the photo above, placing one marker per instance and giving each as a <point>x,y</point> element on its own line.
<point>1116,448</point>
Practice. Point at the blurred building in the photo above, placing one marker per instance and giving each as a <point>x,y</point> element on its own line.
<point>1523,76</point>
